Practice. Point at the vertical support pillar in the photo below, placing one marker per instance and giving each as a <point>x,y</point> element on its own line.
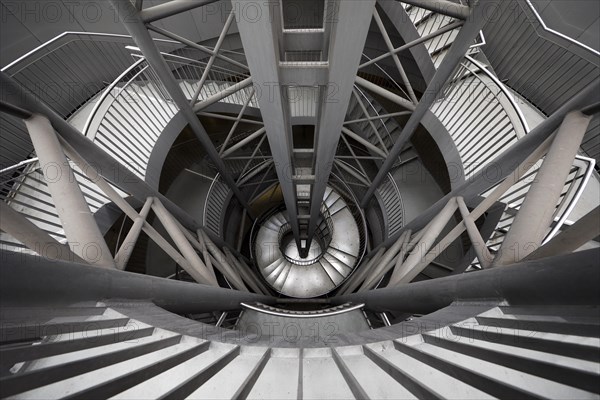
<point>537,211</point>
<point>82,232</point>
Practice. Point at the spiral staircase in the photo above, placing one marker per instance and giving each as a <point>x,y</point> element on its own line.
<point>401,219</point>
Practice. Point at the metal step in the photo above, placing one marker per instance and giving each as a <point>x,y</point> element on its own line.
<point>463,360</point>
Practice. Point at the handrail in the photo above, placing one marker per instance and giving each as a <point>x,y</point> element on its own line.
<point>561,35</point>
<point>328,312</point>
<point>504,90</point>
<point>104,95</point>
<point>575,199</point>
<point>68,33</point>
<point>18,165</point>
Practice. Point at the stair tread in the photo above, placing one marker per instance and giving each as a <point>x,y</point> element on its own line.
<point>439,382</point>
<point>161,384</point>
<point>375,382</point>
<point>323,380</point>
<point>226,383</point>
<point>527,382</point>
<point>279,380</point>
<point>73,385</point>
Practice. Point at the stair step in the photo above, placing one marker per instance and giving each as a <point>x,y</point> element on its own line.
<point>137,376</point>
<point>375,383</point>
<point>526,383</point>
<point>499,388</point>
<point>78,386</point>
<point>237,379</point>
<point>25,331</point>
<point>566,328</point>
<point>322,378</point>
<point>185,378</point>
<point>279,378</point>
<point>68,344</point>
<point>569,346</point>
<point>412,371</point>
<point>566,370</point>
<point>55,370</point>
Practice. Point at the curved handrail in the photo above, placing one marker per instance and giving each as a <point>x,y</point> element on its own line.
<point>504,90</point>
<point>69,33</point>
<point>575,199</point>
<point>105,94</point>
<point>328,312</point>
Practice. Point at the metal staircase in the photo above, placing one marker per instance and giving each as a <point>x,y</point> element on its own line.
<point>359,314</point>
<point>100,351</point>
<point>331,258</point>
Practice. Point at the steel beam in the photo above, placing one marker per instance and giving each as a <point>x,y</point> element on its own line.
<point>195,45</point>
<point>455,55</point>
<point>126,249</point>
<point>198,270</point>
<point>236,122</point>
<point>347,38</point>
<point>415,42</point>
<point>410,268</point>
<point>131,19</point>
<point>261,47</point>
<point>585,229</point>
<point>201,105</point>
<point>479,245</point>
<point>213,57</point>
<point>243,142</point>
<point>171,8</point>
<point>535,215</point>
<point>370,146</point>
<point>386,94</point>
<point>79,225</point>
<point>390,46</point>
<point>507,162</point>
<point>544,281</point>
<point>68,283</point>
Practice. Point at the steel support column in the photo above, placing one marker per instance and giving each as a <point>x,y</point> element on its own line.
<point>260,41</point>
<point>131,19</point>
<point>78,222</point>
<point>455,55</point>
<point>348,34</point>
<point>537,211</point>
